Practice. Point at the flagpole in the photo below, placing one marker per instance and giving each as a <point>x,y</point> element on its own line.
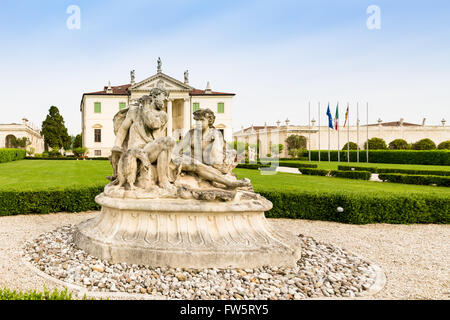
<point>348,132</point>
<point>367,120</point>
<point>328,136</point>
<point>309,131</point>
<point>357,132</point>
<point>337,128</point>
<point>318,119</point>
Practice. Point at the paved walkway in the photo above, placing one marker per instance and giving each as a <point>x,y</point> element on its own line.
<point>415,258</point>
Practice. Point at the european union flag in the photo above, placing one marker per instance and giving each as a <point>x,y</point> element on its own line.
<point>330,118</point>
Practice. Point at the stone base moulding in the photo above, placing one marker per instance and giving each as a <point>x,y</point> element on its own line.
<point>185,233</point>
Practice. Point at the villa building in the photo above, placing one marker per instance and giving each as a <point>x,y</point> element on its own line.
<point>98,109</point>
<point>21,130</point>
<point>318,137</point>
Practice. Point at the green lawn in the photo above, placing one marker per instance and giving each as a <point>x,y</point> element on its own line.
<point>301,183</point>
<point>52,174</point>
<point>333,165</point>
<point>28,175</point>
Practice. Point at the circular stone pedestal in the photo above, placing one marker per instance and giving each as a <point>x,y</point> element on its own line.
<point>184,233</point>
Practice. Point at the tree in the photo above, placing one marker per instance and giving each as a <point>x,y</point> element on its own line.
<point>77,142</point>
<point>353,146</point>
<point>444,145</point>
<point>376,144</point>
<point>276,148</point>
<point>424,144</point>
<point>54,130</point>
<point>399,144</point>
<point>79,152</point>
<point>296,142</point>
<point>21,143</point>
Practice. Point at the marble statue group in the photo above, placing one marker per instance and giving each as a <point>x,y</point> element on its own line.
<point>148,163</point>
<point>178,204</point>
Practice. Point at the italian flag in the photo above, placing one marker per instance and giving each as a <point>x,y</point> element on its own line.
<point>336,117</point>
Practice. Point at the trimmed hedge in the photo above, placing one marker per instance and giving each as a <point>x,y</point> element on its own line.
<point>433,157</point>
<point>360,175</point>
<point>253,166</point>
<point>296,165</point>
<point>7,154</point>
<point>359,208</point>
<point>416,179</point>
<point>314,172</point>
<point>46,201</point>
<point>391,170</point>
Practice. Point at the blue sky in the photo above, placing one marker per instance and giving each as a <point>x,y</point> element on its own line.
<point>275,55</point>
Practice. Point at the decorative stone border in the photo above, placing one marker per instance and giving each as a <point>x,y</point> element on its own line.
<point>377,283</point>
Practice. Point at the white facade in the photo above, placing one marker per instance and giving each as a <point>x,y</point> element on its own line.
<point>318,137</point>
<point>19,131</point>
<point>182,101</point>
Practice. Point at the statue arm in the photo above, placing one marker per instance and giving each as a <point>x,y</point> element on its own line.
<point>155,120</point>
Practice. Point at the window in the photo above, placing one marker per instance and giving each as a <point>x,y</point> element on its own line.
<point>97,153</point>
<point>195,106</point>
<point>97,107</point>
<point>122,105</point>
<point>98,135</point>
<point>222,131</point>
<point>220,107</point>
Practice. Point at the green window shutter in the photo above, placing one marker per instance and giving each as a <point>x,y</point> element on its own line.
<point>195,106</point>
<point>122,105</point>
<point>220,107</point>
<point>97,107</point>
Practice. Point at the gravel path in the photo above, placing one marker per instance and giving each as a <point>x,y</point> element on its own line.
<point>415,258</point>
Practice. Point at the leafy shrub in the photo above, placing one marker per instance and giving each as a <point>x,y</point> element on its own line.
<point>399,144</point>
<point>360,175</point>
<point>80,151</point>
<point>416,179</point>
<point>433,157</point>
<point>296,142</point>
<point>445,145</point>
<point>8,154</point>
<point>54,153</point>
<point>6,294</point>
<point>352,146</point>
<point>424,144</point>
<point>376,144</point>
<point>359,208</point>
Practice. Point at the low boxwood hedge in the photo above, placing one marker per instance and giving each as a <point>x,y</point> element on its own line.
<point>296,165</point>
<point>7,154</point>
<point>359,208</point>
<point>360,175</point>
<point>314,172</point>
<point>254,166</point>
<point>430,157</point>
<point>45,201</point>
<point>393,170</point>
<point>416,179</point>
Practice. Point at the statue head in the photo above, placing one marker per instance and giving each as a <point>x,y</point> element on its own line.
<point>206,116</point>
<point>157,96</point>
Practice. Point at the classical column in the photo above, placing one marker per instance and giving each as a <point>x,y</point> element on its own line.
<point>169,116</point>
<point>186,116</point>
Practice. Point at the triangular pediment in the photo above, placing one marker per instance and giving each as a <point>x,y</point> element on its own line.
<point>160,80</point>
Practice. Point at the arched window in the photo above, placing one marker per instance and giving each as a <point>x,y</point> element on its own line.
<point>9,141</point>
